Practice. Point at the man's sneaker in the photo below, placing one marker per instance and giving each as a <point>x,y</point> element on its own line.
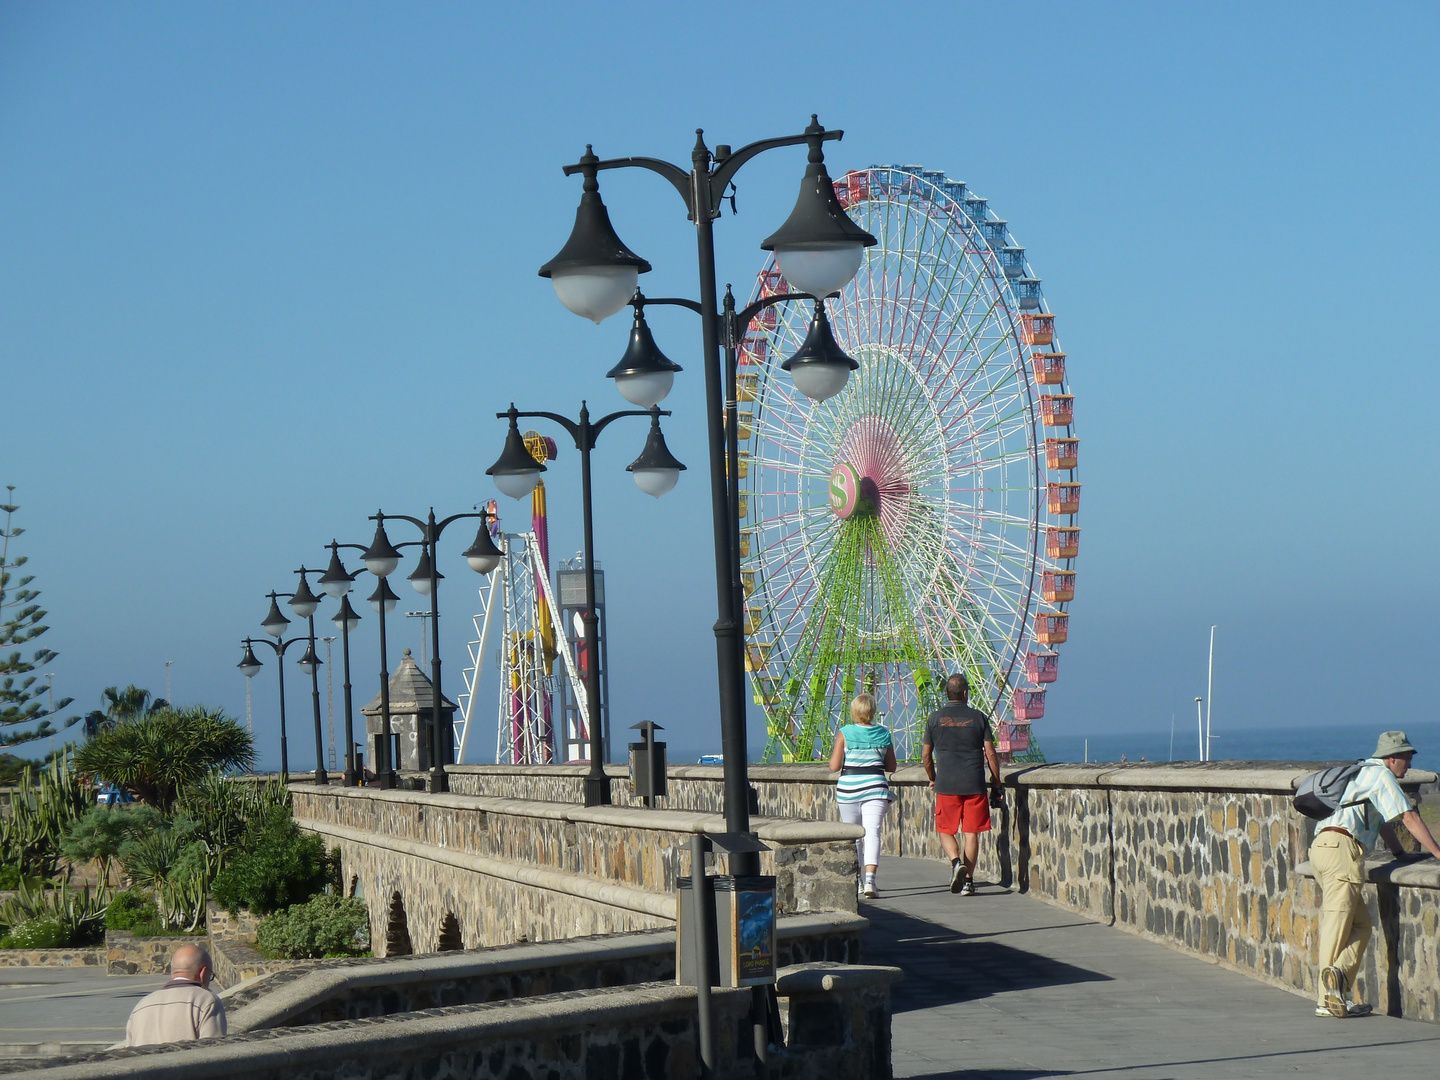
<point>1333,980</point>
<point>968,889</point>
<point>957,876</point>
<point>1359,1008</point>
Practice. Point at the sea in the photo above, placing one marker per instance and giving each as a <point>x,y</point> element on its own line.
<point>1332,743</point>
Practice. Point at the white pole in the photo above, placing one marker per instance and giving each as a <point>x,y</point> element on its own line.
<point>1172,736</point>
<point>167,683</point>
<point>1200,725</point>
<point>1087,751</point>
<point>1209,693</point>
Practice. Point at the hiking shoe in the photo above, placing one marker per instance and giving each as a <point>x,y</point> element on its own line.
<point>968,889</point>
<point>1333,980</point>
<point>957,876</point>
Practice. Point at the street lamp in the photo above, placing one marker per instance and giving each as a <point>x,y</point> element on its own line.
<point>656,471</point>
<point>819,250</point>
<point>337,582</point>
<point>385,556</point>
<point>275,624</point>
<point>382,558</point>
<point>304,603</point>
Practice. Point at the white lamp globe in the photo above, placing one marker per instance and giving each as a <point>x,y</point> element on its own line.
<point>596,292</point>
<point>656,482</point>
<point>518,484</point>
<point>820,269</point>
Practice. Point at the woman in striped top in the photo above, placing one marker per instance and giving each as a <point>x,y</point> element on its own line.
<point>863,754</point>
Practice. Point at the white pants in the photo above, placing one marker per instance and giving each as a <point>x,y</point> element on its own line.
<point>868,813</point>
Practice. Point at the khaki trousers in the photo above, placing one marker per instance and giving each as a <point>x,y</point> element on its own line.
<point>1339,865</point>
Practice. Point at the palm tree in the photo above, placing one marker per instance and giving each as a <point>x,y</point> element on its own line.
<point>155,755</point>
<point>122,707</point>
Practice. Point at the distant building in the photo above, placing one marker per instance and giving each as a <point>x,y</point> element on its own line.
<point>412,697</point>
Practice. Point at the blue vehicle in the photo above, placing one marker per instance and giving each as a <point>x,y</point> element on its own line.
<point>112,795</point>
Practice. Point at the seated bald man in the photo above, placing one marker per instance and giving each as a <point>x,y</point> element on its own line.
<point>183,1009</point>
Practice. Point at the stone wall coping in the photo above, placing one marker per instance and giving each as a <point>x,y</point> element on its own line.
<point>1268,776</point>
<point>1415,874</point>
<point>613,894</point>
<point>827,976</point>
<point>292,1051</point>
<point>780,830</point>
<point>314,987</point>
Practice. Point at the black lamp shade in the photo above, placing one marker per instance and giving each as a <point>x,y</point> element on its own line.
<point>249,663</point>
<point>820,368</point>
<point>304,602</point>
<point>644,374</point>
<point>423,573</point>
<point>483,556</point>
<point>516,470</point>
<point>384,595</point>
<point>656,470</point>
<point>594,273</point>
<point>275,624</point>
<point>309,663</point>
<point>336,581</point>
<point>345,619</point>
<point>381,558</point>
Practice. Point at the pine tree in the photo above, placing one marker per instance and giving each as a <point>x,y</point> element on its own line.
<point>21,622</point>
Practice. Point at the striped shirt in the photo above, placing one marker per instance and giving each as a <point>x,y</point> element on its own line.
<point>1372,799</point>
<point>863,775</point>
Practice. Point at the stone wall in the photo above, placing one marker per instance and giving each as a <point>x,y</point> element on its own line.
<point>442,871</point>
<point>126,954</point>
<point>1205,857</point>
<point>52,958</point>
<point>837,1027</point>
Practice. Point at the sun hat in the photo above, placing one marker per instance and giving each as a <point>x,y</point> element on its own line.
<point>1392,744</point>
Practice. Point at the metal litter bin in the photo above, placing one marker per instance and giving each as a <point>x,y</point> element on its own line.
<point>743,934</point>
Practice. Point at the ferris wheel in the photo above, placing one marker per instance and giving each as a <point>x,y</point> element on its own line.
<point>921,522</point>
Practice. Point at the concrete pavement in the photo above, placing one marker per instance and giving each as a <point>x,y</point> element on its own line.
<point>1004,986</point>
<point>48,1011</point>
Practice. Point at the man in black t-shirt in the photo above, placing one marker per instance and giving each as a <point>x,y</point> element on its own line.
<point>957,746</point>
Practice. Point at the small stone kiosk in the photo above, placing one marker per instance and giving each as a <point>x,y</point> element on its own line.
<point>412,697</point>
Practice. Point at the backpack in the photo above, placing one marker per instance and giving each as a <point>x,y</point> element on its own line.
<point>1321,793</point>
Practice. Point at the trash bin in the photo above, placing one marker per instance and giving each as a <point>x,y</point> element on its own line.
<point>744,931</point>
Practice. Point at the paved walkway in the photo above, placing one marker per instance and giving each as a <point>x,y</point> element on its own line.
<point>1004,986</point>
<point>78,1008</point>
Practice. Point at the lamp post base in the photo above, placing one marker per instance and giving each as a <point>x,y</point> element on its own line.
<point>352,778</point>
<point>385,780</point>
<point>322,777</point>
<point>597,790</point>
<point>437,781</point>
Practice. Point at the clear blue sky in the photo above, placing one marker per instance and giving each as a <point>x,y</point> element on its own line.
<point>265,267</point>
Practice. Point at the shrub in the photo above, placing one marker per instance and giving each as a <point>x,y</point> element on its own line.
<point>42,809</point>
<point>158,754</point>
<point>133,912</point>
<point>101,832</point>
<point>328,925</point>
<point>10,876</point>
<point>37,934</point>
<point>81,914</point>
<point>280,866</point>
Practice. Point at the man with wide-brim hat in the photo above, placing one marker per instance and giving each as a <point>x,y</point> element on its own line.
<point>1372,803</point>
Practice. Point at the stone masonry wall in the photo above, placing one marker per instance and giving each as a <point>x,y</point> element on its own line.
<point>509,870</point>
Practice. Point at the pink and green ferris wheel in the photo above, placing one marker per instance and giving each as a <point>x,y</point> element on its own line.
<point>922,521</point>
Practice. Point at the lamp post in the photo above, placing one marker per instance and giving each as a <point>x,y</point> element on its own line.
<point>337,582</point>
<point>250,667</point>
<point>303,602</point>
<point>656,471</point>
<point>819,250</point>
<point>481,555</point>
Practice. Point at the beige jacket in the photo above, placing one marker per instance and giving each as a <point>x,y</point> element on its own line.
<point>180,1011</point>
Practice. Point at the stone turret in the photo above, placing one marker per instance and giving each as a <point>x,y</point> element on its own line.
<point>412,696</point>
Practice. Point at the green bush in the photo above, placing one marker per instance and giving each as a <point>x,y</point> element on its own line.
<point>157,755</point>
<point>10,876</point>
<point>280,866</point>
<point>129,911</point>
<point>101,832</point>
<point>81,914</point>
<point>37,934</point>
<point>42,808</point>
<point>328,925</point>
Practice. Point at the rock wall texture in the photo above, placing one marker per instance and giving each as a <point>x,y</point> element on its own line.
<point>1207,857</point>
<point>447,871</point>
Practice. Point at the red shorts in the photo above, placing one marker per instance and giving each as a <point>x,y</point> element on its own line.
<point>962,813</point>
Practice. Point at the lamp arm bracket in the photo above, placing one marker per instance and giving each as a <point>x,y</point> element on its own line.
<point>422,526</point>
<point>604,422</point>
<point>677,176</point>
<point>742,318</point>
<point>674,301</point>
<point>721,174</point>
<point>453,517</point>
<point>564,421</point>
